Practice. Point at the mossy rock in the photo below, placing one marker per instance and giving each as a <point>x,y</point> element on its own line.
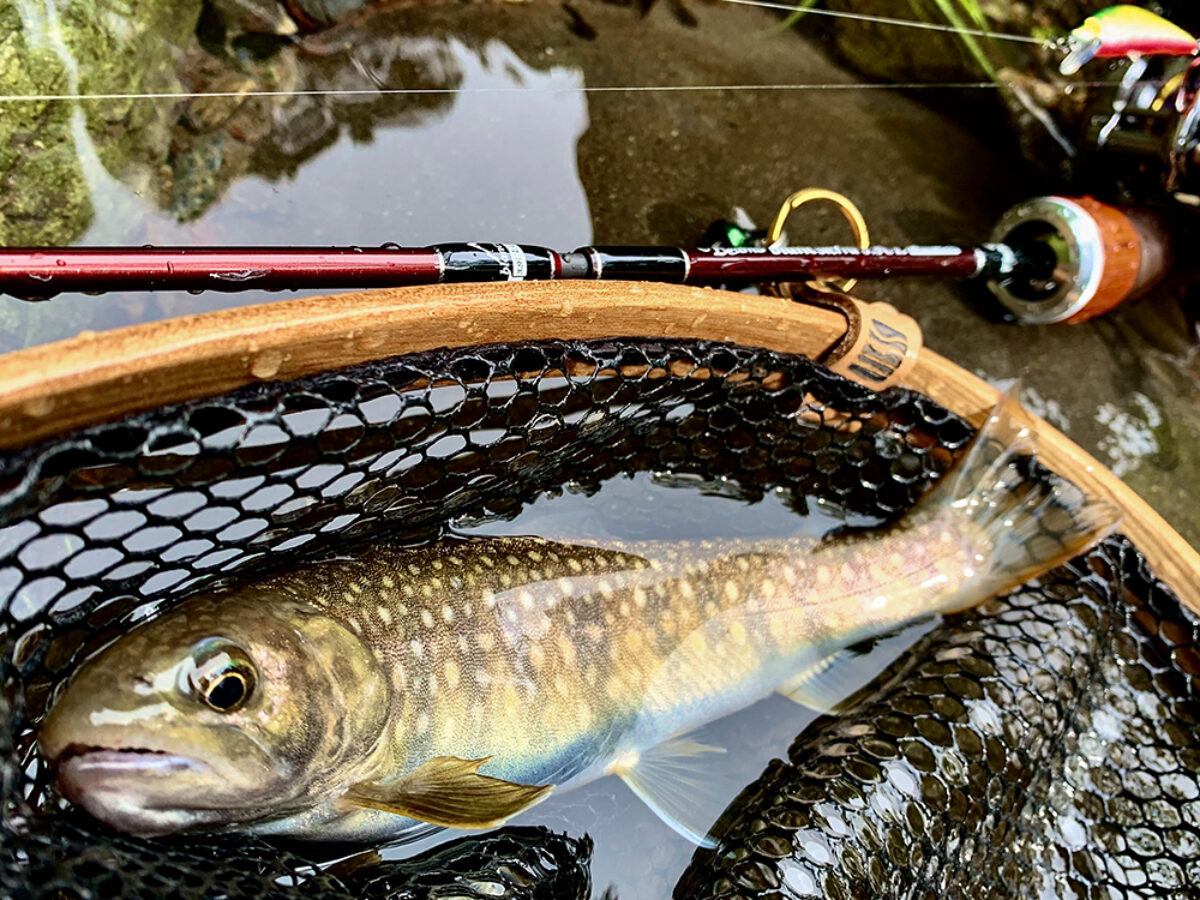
<point>117,47</point>
<point>43,196</point>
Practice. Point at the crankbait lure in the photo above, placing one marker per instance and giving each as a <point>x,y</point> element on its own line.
<point>1124,31</point>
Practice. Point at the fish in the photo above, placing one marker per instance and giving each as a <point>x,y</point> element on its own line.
<point>398,690</point>
<point>1124,31</point>
<point>1041,745</point>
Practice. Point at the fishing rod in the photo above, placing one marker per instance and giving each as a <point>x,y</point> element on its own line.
<point>41,272</point>
<point>1051,259</point>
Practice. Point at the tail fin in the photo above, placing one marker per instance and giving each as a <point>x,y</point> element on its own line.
<point>1032,524</point>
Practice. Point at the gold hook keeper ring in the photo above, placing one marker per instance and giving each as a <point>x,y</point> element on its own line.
<point>843,203</point>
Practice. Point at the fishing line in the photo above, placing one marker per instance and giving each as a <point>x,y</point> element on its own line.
<point>889,20</point>
<point>597,89</point>
<point>602,89</point>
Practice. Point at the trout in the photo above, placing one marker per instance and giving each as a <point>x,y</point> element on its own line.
<point>388,693</point>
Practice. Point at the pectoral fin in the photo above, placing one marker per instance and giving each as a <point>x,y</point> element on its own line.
<point>824,685</point>
<point>685,783</point>
<point>449,791</point>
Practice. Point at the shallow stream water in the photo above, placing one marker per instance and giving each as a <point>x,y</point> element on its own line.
<point>507,146</point>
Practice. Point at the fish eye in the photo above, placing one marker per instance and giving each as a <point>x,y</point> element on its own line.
<point>222,676</point>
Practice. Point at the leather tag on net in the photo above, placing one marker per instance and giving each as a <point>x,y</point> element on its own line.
<point>881,343</point>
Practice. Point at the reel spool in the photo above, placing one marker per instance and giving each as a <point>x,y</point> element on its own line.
<point>1101,256</point>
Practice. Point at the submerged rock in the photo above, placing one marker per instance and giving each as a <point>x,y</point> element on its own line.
<point>1045,109</point>
<point>876,49</point>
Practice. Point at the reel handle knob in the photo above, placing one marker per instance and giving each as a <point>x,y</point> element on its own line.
<point>1101,256</point>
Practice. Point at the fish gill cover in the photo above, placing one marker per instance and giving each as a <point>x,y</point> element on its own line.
<point>1044,743</point>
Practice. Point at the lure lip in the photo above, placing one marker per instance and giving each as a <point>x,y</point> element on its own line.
<point>1081,49</point>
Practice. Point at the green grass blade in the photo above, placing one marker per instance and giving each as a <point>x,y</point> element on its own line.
<point>798,13</point>
<point>950,10</point>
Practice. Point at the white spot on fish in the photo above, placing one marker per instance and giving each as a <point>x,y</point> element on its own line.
<point>125,717</point>
<point>566,650</point>
<point>426,618</point>
<point>447,613</point>
<point>422,723</point>
<point>387,581</point>
<point>385,614</point>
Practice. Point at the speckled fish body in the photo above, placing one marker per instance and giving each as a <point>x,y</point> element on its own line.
<point>1122,31</point>
<point>456,684</point>
<point>554,660</point>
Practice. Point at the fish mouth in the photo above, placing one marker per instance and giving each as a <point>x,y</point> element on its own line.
<point>86,770</point>
<point>78,755</point>
<point>136,789</point>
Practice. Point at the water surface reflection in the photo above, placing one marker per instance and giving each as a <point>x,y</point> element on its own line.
<point>414,169</point>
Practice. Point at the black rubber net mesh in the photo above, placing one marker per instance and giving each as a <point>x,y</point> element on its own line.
<point>1044,744</point>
